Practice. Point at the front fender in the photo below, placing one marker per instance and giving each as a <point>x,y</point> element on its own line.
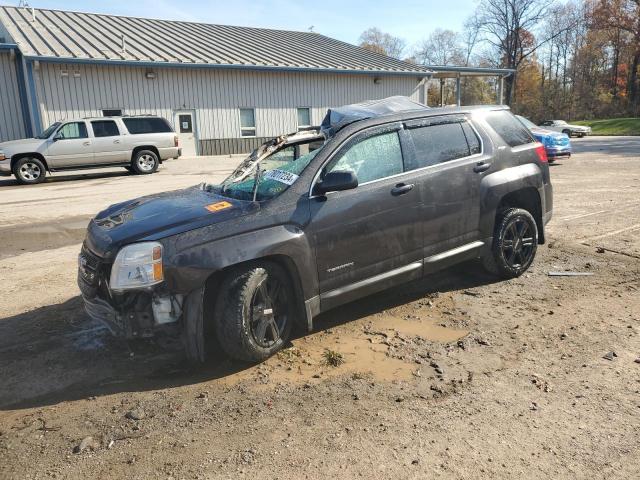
<point>495,186</point>
<point>189,268</point>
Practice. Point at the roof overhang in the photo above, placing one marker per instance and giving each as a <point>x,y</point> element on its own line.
<point>263,68</point>
<point>449,71</point>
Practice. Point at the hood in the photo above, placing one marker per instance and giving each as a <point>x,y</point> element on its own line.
<point>157,216</point>
<point>17,146</point>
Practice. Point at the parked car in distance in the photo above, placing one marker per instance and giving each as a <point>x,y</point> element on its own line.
<point>556,144</point>
<point>138,143</point>
<point>563,127</point>
<point>383,193</point>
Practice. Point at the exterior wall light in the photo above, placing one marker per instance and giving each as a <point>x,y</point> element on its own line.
<point>150,75</point>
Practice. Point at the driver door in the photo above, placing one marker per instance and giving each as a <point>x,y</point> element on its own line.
<point>367,238</point>
<point>70,146</point>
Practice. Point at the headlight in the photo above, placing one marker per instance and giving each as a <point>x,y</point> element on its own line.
<point>137,266</point>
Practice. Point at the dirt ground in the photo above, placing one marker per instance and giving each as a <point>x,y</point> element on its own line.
<point>455,376</point>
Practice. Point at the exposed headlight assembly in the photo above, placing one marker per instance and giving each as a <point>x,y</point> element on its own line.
<point>137,266</point>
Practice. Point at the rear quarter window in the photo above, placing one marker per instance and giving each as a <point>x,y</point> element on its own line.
<point>137,126</point>
<point>509,128</point>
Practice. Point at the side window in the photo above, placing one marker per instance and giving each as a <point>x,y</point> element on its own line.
<point>105,128</point>
<point>372,158</point>
<point>439,143</point>
<point>509,128</point>
<point>72,130</point>
<point>140,125</point>
<point>472,138</point>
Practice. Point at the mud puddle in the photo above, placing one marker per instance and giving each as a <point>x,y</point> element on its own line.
<point>360,348</point>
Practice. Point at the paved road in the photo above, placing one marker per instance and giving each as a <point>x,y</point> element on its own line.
<point>627,146</point>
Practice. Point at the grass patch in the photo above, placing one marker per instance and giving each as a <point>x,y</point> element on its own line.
<point>333,358</point>
<point>613,126</point>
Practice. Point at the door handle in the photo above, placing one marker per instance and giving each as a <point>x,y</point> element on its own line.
<point>86,144</point>
<point>116,141</point>
<point>401,189</point>
<point>481,167</point>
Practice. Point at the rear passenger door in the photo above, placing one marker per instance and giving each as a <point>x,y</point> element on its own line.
<point>449,161</point>
<point>108,145</point>
<point>367,238</point>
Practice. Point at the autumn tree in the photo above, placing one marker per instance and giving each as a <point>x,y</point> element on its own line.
<point>378,41</point>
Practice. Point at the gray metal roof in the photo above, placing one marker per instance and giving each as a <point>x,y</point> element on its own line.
<point>73,36</point>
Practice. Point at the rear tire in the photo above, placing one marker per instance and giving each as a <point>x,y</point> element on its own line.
<point>255,312</point>
<point>515,241</point>
<point>29,171</point>
<point>145,162</point>
<point>567,133</point>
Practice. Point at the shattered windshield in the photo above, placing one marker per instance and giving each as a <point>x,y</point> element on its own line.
<point>270,169</point>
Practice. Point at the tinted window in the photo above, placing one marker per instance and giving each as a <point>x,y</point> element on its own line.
<point>72,130</point>
<point>105,128</point>
<point>472,138</point>
<point>372,158</point>
<point>137,126</point>
<point>439,143</point>
<point>509,128</point>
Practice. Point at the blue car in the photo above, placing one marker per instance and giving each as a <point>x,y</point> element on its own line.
<point>556,144</point>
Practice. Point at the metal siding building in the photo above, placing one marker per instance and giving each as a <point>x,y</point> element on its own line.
<point>12,122</point>
<point>77,65</point>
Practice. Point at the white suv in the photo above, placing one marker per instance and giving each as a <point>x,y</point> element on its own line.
<point>137,143</point>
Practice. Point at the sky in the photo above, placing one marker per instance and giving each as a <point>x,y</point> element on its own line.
<point>345,20</point>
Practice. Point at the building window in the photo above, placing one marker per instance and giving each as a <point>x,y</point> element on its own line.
<point>304,117</point>
<point>247,122</point>
<point>112,112</point>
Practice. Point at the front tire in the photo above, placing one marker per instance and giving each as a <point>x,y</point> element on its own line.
<point>514,246</point>
<point>29,171</point>
<point>255,312</point>
<point>145,162</point>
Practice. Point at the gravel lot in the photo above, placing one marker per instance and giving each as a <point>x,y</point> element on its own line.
<point>456,376</point>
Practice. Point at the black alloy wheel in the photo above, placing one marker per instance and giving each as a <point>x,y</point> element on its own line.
<point>268,312</point>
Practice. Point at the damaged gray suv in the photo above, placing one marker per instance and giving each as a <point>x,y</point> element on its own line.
<point>383,193</point>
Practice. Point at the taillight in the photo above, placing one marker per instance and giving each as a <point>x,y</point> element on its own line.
<point>175,141</point>
<point>542,154</point>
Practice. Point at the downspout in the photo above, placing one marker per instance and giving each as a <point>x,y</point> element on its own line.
<point>22,94</point>
<point>33,96</point>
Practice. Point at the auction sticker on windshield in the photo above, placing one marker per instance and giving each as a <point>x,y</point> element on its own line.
<point>281,176</point>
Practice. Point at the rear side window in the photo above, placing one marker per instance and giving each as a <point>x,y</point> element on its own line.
<point>439,143</point>
<point>372,158</point>
<point>105,128</point>
<point>137,126</point>
<point>509,128</point>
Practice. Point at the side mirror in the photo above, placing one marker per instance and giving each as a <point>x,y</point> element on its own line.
<point>337,181</point>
